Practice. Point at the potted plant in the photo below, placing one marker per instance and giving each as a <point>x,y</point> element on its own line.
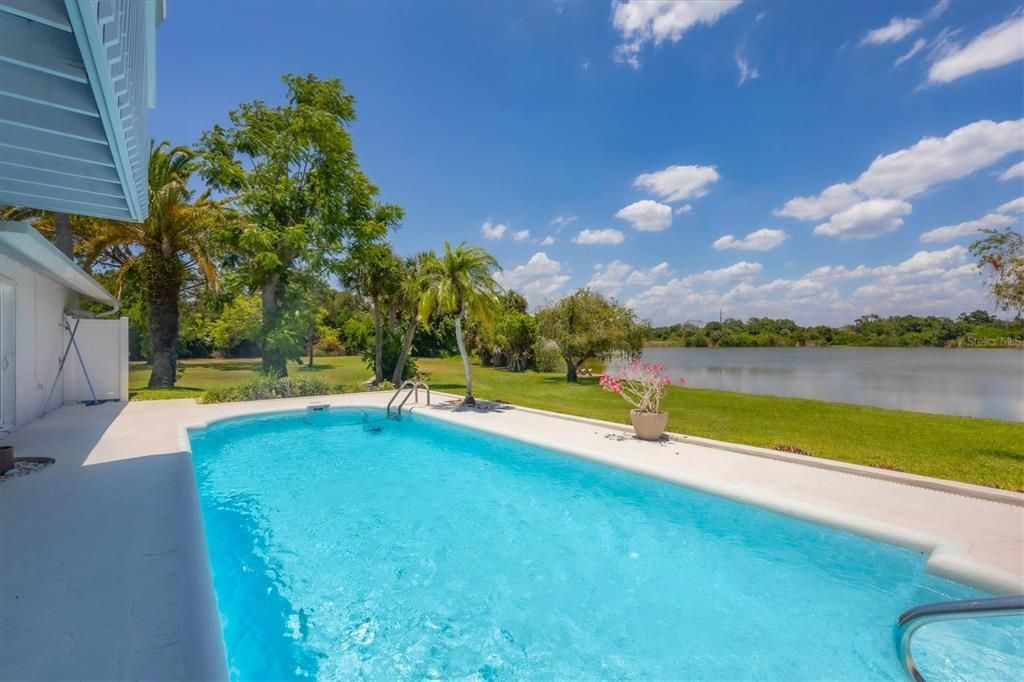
<point>642,385</point>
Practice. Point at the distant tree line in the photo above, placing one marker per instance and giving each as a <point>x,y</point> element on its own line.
<point>975,329</point>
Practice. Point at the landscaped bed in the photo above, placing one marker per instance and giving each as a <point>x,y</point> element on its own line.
<point>981,451</point>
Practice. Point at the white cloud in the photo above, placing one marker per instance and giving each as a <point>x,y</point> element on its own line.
<point>946,288</point>
<point>521,235</point>
<point>610,279</point>
<point>926,261</point>
<point>925,280</point>
<point>643,21</point>
<point>970,227</point>
<point>867,219</point>
<point>547,241</point>
<point>929,282</point>
<point>908,172</point>
<point>1014,171</point>
<point>1015,206</point>
<point>563,220</point>
<point>676,299</point>
<point>915,48</point>
<point>837,273</point>
<point>760,240</point>
<point>677,183</point>
<point>997,46</point>
<point>899,28</point>
<point>944,44</point>
<point>648,277</point>
<point>606,236</point>
<point>685,208</point>
<point>540,279</point>
<point>832,199</point>
<point>932,160</point>
<point>493,231</point>
<point>747,72</point>
<point>647,215</point>
<point>741,270</point>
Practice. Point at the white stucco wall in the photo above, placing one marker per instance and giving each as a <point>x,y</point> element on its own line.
<point>38,341</point>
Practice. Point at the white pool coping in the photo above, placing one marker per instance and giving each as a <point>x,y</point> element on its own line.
<point>104,565</point>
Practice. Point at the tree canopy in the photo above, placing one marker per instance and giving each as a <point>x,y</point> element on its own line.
<point>587,325</point>
<point>1000,257</point>
<point>173,244</point>
<point>293,170</point>
<point>461,283</point>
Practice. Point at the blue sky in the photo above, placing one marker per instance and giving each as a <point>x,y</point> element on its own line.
<point>811,160</point>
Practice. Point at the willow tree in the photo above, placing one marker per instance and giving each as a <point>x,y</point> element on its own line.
<point>293,171</point>
<point>587,325</point>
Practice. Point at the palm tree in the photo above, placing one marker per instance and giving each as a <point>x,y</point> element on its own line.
<point>172,245</point>
<point>410,294</point>
<point>460,283</point>
<point>372,270</point>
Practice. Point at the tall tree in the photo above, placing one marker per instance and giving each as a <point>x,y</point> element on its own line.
<point>508,338</point>
<point>294,172</point>
<point>64,238</point>
<point>461,283</point>
<point>372,269</point>
<point>173,244</point>
<point>587,325</point>
<point>409,296</point>
<point>1001,257</point>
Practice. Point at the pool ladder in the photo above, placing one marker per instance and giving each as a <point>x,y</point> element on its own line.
<point>413,388</point>
<point>911,619</point>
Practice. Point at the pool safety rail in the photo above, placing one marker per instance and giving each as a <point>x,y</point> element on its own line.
<point>912,619</point>
<point>412,388</point>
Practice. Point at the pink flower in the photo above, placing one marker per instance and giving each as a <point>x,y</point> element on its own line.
<point>641,384</point>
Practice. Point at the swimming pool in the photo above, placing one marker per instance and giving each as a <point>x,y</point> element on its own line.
<point>343,545</point>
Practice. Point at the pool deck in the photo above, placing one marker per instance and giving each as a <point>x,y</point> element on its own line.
<point>104,567</point>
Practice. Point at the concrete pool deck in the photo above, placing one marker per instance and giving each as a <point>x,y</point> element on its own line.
<point>104,568</point>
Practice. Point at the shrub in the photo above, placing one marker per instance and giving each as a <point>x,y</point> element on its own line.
<point>267,387</point>
<point>329,342</point>
<point>221,394</point>
<point>354,387</point>
<point>390,351</point>
<point>547,357</point>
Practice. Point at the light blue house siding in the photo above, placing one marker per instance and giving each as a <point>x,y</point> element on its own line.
<point>76,83</point>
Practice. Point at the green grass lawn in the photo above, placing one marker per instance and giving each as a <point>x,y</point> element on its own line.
<point>982,451</point>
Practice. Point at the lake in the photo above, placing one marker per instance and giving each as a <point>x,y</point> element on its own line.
<point>958,381</point>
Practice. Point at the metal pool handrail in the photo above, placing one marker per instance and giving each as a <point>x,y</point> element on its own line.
<point>414,388</point>
<point>911,619</point>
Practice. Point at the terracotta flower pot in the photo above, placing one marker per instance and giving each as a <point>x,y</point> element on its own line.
<point>648,425</point>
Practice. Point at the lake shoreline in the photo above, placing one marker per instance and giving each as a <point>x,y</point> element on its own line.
<point>979,346</point>
<point>932,380</point>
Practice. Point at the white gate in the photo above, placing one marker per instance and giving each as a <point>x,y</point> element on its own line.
<point>7,364</point>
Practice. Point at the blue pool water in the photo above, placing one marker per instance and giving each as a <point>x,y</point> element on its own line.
<point>344,545</point>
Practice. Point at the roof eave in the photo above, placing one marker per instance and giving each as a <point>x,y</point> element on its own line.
<point>22,242</point>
